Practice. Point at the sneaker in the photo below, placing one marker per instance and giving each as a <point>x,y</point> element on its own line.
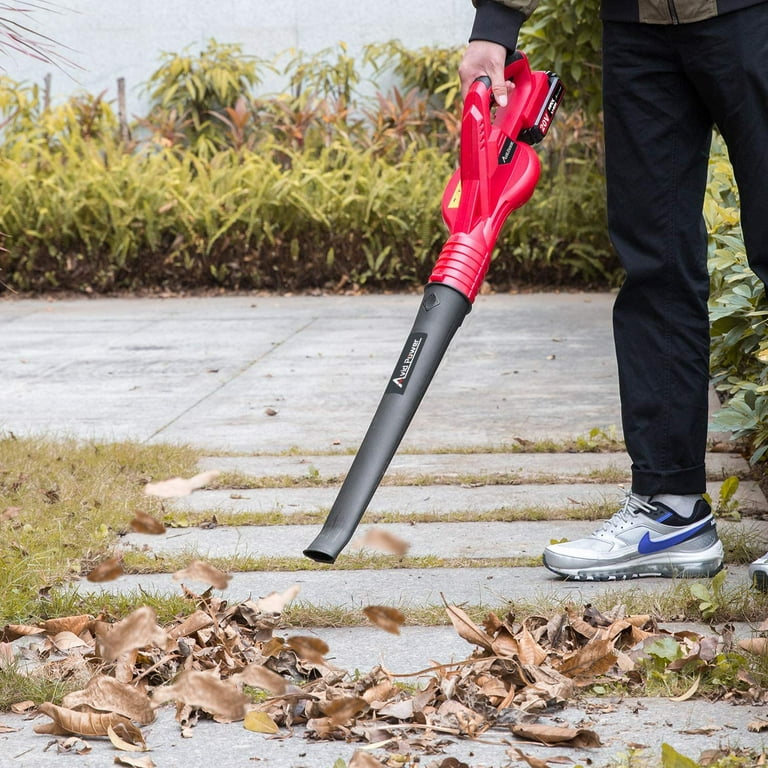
<point>643,539</point>
<point>758,573</point>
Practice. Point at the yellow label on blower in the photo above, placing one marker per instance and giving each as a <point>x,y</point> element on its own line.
<point>454,203</point>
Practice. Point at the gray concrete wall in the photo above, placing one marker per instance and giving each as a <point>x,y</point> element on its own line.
<point>124,38</point>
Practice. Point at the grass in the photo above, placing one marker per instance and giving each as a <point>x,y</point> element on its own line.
<point>65,502</point>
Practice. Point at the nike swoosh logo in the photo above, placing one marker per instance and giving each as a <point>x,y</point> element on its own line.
<point>647,545</point>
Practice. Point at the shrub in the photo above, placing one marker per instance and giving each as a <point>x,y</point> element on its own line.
<point>310,188</point>
<point>739,312</point>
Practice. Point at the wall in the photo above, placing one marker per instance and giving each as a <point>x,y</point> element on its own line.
<point>124,38</point>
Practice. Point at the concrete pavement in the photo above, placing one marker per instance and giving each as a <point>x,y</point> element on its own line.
<point>277,387</point>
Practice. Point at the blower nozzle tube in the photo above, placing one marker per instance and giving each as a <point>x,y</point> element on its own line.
<point>440,314</point>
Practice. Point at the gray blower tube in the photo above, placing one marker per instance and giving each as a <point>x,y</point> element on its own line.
<point>441,313</point>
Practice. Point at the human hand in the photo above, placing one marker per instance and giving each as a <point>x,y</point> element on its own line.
<point>484,58</point>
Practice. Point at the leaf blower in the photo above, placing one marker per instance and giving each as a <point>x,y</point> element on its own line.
<point>498,171</point>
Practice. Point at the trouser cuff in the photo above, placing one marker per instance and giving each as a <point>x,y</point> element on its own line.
<point>679,481</point>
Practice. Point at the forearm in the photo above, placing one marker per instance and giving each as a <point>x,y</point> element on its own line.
<point>499,21</point>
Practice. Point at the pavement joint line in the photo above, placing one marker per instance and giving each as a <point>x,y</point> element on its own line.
<point>243,369</point>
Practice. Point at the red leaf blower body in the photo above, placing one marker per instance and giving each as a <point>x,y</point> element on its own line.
<point>498,171</point>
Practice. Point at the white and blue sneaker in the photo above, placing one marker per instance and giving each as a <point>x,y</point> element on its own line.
<point>758,573</point>
<point>644,538</point>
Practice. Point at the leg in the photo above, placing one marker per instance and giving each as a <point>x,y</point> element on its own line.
<point>658,134</point>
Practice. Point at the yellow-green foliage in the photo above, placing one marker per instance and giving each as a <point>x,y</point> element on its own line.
<point>739,311</point>
<point>311,188</point>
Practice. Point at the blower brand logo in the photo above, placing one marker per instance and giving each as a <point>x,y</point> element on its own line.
<point>408,358</point>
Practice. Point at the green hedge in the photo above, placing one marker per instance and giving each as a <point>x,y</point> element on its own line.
<point>310,188</point>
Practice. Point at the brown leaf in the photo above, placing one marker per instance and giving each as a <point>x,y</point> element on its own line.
<point>553,734</point>
<point>75,624</point>
<point>362,759</point>
<point>107,570</point>
<point>144,523</point>
<point>13,632</point>
<point>138,630</point>
<point>66,641</point>
<point>534,762</point>
<point>134,762</point>
<point>529,650</point>
<point>389,619</point>
<point>198,570</point>
<point>193,623</point>
<point>595,658</point>
<point>756,645</point>
<point>384,541</point>
<point>757,726</point>
<point>259,676</point>
<point>126,739</point>
<point>206,691</point>
<point>341,711</point>
<point>9,513</point>
<point>22,707</point>
<point>179,486</point>
<point>276,601</point>
<point>310,649</point>
<point>80,723</point>
<point>467,629</point>
<point>106,694</point>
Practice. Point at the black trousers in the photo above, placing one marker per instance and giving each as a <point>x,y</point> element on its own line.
<point>665,87</point>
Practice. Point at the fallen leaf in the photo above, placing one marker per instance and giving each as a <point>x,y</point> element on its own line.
<point>341,711</point>
<point>179,486</point>
<point>596,657</point>
<point>259,722</point>
<point>534,762</point>
<point>106,694</point>
<point>467,629</point>
<point>552,734</point>
<point>362,759</point>
<point>757,726</point>
<point>259,676</point>
<point>74,624</point>
<point>144,523</point>
<point>756,645</point>
<point>275,602</point>
<point>67,641</point>
<point>134,762</point>
<point>79,723</point>
<point>74,745</point>
<point>206,691</point>
<point>7,728</point>
<point>383,541</point>
<point>107,570</point>
<point>687,695</point>
<point>22,707</point>
<point>137,630</point>
<point>9,513</point>
<point>310,649</point>
<point>126,744</point>
<point>193,623</point>
<point>388,619</point>
<point>198,570</point>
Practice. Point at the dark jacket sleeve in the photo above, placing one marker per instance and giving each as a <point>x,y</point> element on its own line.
<point>500,21</point>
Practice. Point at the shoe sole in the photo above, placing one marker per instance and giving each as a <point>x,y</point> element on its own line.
<point>638,568</point>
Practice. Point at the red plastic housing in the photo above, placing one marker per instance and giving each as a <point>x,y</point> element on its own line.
<point>497,172</point>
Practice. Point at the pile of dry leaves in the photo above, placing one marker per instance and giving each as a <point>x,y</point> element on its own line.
<point>228,662</point>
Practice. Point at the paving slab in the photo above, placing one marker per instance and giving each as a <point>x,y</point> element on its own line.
<point>409,467</point>
<point>408,587</point>
<point>436,499</point>
<point>690,727</point>
<point>204,371</point>
<point>445,540</point>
